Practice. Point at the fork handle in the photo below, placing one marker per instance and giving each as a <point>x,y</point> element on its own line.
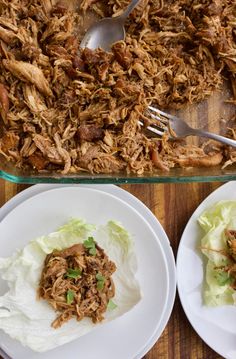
<point>129,9</point>
<point>214,136</point>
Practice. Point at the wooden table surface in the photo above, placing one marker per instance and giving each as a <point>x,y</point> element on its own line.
<point>173,205</point>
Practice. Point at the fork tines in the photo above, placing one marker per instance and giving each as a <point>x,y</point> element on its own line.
<point>157,130</point>
<point>166,116</point>
<point>160,125</point>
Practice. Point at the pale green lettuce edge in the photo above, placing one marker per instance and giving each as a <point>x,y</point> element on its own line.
<point>214,221</point>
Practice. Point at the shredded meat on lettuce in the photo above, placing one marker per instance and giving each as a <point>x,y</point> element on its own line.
<point>67,110</point>
<point>226,273</point>
<point>77,283</point>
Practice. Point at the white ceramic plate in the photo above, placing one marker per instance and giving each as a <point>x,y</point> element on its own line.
<point>216,326</point>
<point>144,211</point>
<point>127,336</point>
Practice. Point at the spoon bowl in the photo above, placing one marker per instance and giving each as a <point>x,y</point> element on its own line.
<point>103,34</point>
<point>107,31</point>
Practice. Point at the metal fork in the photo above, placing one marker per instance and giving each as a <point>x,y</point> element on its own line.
<point>166,122</point>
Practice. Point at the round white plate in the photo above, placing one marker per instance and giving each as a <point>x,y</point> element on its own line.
<point>43,213</point>
<point>216,326</point>
<point>144,211</point>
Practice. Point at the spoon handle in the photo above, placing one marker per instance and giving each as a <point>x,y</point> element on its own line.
<point>129,9</point>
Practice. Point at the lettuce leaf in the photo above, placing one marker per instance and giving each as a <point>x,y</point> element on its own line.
<point>214,221</point>
<point>29,320</point>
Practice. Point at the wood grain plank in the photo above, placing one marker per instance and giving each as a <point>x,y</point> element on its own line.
<point>10,190</point>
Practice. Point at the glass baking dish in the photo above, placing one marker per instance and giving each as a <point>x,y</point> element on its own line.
<point>214,115</point>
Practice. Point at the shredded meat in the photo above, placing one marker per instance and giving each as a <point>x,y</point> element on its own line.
<point>4,102</point>
<point>37,161</point>
<point>89,132</point>
<point>28,73</point>
<point>230,253</point>
<point>231,241</point>
<point>77,284</point>
<point>74,110</point>
<point>227,270</point>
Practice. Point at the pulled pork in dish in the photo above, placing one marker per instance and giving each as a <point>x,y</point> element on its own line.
<point>77,282</point>
<point>66,110</point>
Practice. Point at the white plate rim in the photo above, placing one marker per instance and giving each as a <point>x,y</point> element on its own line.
<point>54,191</point>
<point>31,192</point>
<point>212,198</point>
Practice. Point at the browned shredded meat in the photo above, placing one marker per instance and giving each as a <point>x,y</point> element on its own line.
<point>231,241</point>
<point>67,110</point>
<point>77,283</point>
<point>228,271</point>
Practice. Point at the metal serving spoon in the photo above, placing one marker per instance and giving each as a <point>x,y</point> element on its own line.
<point>107,31</point>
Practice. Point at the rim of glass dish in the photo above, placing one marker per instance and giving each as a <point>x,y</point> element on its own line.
<point>116,179</point>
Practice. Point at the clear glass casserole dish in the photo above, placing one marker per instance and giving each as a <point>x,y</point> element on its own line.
<point>214,115</point>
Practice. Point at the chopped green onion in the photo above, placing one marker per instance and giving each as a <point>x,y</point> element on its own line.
<point>92,251</point>
<point>70,296</point>
<point>99,276</point>
<point>90,245</point>
<point>111,305</point>
<point>100,285</point>
<point>73,273</point>
<point>100,281</point>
